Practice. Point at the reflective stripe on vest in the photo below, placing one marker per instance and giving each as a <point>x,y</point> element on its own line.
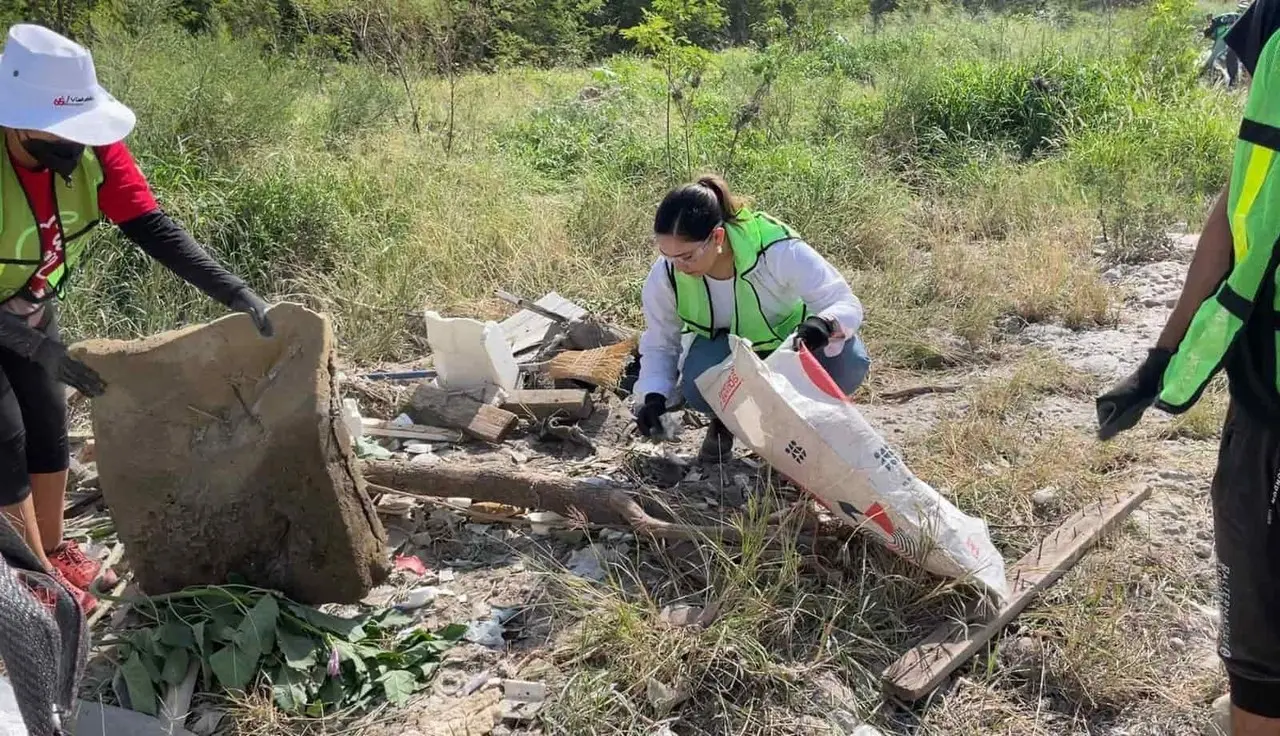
<point>77,207</point>
<point>749,235</point>
<point>1253,209</point>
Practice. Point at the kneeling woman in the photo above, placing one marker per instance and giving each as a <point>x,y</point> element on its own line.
<point>724,269</point>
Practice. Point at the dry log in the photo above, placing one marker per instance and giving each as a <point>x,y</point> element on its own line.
<point>613,505</point>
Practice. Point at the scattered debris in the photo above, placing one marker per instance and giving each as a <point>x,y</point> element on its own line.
<point>598,366</point>
<point>432,404</point>
<point>543,403</point>
<point>470,354</point>
<point>479,680</point>
<point>1045,498</point>
<point>527,329</point>
<point>524,691</point>
<point>412,563</point>
<point>486,633</point>
<point>419,597</point>
<point>664,698</point>
<point>585,563</point>
<point>682,615</point>
<point>407,430</point>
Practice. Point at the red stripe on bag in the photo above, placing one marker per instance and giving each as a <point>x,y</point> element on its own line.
<point>876,513</point>
<point>814,371</point>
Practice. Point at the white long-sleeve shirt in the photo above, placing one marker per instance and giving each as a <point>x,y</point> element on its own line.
<point>787,271</point>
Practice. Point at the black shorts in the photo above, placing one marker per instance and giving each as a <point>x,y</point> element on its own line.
<point>33,420</point>
<point>1246,519</point>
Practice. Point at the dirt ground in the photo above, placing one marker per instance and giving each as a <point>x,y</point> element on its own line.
<point>1123,645</point>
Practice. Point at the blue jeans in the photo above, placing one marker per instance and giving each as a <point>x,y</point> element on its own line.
<point>849,368</point>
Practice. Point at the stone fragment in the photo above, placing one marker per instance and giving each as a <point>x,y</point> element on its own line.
<point>223,453</point>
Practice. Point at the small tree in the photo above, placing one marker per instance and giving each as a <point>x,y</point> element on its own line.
<point>665,34</point>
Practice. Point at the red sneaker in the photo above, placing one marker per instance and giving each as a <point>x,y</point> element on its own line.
<point>79,568</point>
<point>82,597</point>
<point>47,598</point>
<point>42,594</point>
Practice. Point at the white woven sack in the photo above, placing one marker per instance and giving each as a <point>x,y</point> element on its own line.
<point>790,412</point>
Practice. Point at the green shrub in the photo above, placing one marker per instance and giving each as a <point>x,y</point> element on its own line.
<point>1027,106</point>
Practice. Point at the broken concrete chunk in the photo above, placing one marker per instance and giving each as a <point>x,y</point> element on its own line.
<point>222,453</point>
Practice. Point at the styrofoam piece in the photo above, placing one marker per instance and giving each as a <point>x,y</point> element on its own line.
<point>470,354</point>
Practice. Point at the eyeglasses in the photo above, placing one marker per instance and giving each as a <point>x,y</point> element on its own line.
<point>691,255</point>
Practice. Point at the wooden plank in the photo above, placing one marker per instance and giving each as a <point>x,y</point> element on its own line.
<point>383,428</point>
<point>526,330</point>
<point>542,403</point>
<point>433,405</point>
<point>919,672</point>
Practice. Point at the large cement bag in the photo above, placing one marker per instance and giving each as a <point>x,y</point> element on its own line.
<point>790,412</point>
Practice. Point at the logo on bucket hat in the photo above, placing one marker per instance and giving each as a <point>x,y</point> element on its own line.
<point>65,100</point>
<point>48,83</point>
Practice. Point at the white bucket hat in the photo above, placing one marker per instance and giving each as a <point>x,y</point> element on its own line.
<point>48,83</point>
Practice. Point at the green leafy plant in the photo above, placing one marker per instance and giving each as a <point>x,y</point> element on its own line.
<point>240,637</point>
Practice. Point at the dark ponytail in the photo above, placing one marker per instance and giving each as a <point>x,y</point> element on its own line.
<point>692,211</point>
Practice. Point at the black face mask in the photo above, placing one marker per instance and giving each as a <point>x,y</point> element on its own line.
<point>60,157</point>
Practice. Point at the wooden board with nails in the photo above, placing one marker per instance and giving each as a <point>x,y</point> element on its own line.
<point>526,330</point>
<point>918,672</point>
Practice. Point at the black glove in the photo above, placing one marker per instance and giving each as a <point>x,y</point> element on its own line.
<point>16,335</point>
<point>814,332</point>
<point>649,418</point>
<point>1121,407</point>
<point>248,301</point>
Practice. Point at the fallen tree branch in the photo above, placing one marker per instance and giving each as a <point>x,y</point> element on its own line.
<point>908,394</point>
<point>604,504</point>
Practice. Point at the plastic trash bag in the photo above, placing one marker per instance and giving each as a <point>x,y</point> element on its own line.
<point>790,412</point>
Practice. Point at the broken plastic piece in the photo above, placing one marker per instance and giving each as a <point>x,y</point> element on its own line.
<point>470,354</point>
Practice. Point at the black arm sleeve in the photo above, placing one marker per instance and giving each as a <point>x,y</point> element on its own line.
<point>1250,34</point>
<point>164,240</point>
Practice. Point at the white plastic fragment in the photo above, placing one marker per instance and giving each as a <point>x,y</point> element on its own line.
<point>470,354</point>
<point>540,522</point>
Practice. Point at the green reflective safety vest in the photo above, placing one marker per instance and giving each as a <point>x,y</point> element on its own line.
<point>77,205</point>
<point>749,235</point>
<point>1253,207</point>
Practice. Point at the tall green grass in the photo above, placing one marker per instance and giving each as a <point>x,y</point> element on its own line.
<point>957,167</point>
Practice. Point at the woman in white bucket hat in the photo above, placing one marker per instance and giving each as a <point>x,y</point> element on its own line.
<point>65,167</point>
